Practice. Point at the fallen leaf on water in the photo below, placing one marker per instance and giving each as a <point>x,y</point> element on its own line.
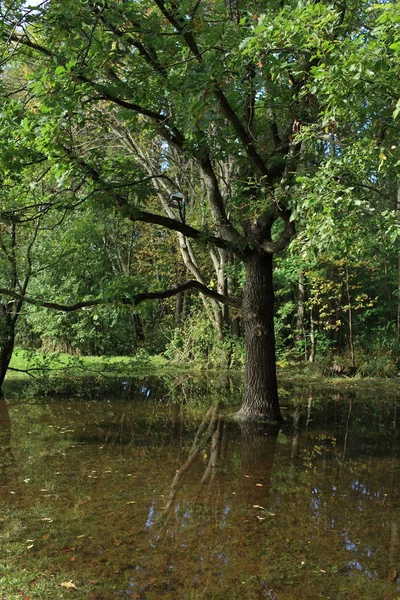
<point>68,585</point>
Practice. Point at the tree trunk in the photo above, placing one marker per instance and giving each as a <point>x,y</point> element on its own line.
<point>350,317</point>
<point>313,341</point>
<point>7,339</point>
<point>261,390</point>
<point>398,267</point>
<point>300,334</point>
<point>138,326</point>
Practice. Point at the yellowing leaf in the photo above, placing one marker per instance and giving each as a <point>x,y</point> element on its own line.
<point>68,585</point>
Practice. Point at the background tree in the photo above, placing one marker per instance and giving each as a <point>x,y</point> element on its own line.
<point>256,106</point>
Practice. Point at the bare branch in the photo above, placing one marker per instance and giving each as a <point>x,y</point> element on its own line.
<point>51,305</point>
<point>186,230</point>
<point>134,301</point>
<point>192,284</point>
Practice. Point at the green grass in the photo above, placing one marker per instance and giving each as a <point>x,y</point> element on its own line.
<point>306,374</point>
<point>26,363</point>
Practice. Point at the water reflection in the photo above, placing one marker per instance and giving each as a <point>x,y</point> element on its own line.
<point>8,472</point>
<point>143,493</point>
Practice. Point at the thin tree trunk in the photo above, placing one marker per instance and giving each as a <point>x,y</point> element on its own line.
<point>313,343</point>
<point>350,317</point>
<point>300,335</point>
<point>138,326</point>
<point>260,400</point>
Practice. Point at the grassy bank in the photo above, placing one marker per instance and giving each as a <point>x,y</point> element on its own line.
<point>33,364</point>
<point>27,364</point>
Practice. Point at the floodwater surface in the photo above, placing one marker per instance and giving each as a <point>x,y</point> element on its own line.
<point>149,490</point>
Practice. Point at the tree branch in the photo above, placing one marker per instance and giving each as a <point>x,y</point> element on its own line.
<point>187,231</point>
<point>191,284</point>
<point>282,242</point>
<point>134,301</point>
<point>171,132</point>
<point>51,305</point>
<point>146,217</point>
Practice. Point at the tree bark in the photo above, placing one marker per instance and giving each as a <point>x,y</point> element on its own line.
<point>7,340</point>
<point>260,400</point>
<point>398,267</point>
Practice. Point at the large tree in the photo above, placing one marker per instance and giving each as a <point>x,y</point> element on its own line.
<point>236,90</point>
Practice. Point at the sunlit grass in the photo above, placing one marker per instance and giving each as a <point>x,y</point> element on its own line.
<point>28,363</point>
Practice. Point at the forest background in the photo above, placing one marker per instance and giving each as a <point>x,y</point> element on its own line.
<point>157,145</point>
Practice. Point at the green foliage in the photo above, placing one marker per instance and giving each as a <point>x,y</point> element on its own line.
<point>196,342</point>
<point>110,108</point>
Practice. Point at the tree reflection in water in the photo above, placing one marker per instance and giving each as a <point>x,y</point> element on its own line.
<point>165,500</point>
<point>8,470</point>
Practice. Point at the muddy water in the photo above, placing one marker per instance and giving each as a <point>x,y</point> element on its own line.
<point>148,490</point>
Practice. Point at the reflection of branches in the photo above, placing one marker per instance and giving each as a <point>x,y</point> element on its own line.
<point>296,433</point>
<point>212,462</point>
<point>209,427</point>
<point>7,461</point>
<point>346,437</point>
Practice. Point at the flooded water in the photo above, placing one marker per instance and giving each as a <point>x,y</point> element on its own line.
<point>149,490</point>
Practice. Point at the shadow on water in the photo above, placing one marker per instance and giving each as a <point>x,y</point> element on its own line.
<point>148,489</point>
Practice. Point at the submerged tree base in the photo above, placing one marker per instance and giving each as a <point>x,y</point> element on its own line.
<point>257,417</point>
